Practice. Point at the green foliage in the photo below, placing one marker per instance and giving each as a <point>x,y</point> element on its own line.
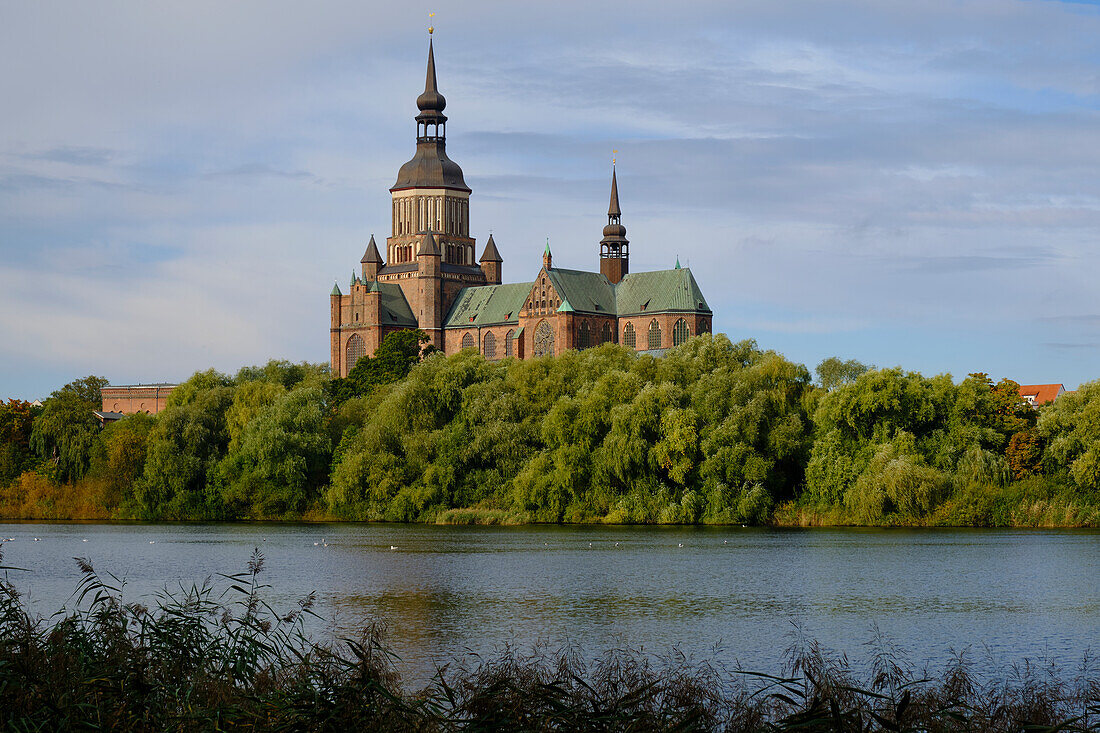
<point>281,458</point>
<point>601,434</point>
<point>713,432</point>
<point>66,432</point>
<point>121,461</point>
<point>391,362</point>
<point>833,372</point>
<point>189,439</point>
<point>1071,429</point>
<point>86,389</point>
<point>16,418</point>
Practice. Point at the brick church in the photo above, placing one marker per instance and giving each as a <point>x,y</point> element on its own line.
<point>430,280</point>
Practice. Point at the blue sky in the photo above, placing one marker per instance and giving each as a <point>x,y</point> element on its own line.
<point>912,184</point>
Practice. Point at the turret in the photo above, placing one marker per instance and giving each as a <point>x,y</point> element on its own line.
<point>491,263</point>
<point>614,247</point>
<point>429,289</point>
<point>335,299</point>
<point>372,261</point>
<point>547,258</point>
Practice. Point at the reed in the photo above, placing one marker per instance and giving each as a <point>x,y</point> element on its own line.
<point>215,655</point>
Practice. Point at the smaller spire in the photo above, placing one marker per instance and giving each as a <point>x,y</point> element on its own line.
<point>371,255</point>
<point>353,278</point>
<point>428,245</point>
<point>491,254</point>
<point>374,287</point>
<point>335,289</point>
<point>431,100</point>
<point>547,258</point>
<point>677,262</point>
<point>613,207</point>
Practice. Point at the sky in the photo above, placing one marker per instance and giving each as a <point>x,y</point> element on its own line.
<point>906,184</point>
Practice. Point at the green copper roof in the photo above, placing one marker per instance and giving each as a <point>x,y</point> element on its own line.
<point>660,291</point>
<point>395,309</point>
<point>375,287</point>
<point>487,304</point>
<point>335,290</point>
<point>588,292</point>
<point>581,292</point>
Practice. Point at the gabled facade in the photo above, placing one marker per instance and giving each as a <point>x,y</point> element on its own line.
<point>1041,394</point>
<point>429,279</point>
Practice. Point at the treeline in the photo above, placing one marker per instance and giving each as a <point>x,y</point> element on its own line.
<point>714,432</point>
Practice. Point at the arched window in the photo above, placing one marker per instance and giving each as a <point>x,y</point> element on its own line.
<point>508,348</point>
<point>605,334</point>
<point>489,344</point>
<point>355,350</point>
<point>654,334</point>
<point>630,338</point>
<point>544,339</point>
<point>585,339</point>
<point>704,326</point>
<point>468,341</point>
<point>680,332</point>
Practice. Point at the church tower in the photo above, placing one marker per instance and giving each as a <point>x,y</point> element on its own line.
<point>430,194</point>
<point>614,247</point>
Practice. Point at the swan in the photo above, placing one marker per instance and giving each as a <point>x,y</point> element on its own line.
<point>680,545</point>
<point>152,542</point>
<point>393,547</point>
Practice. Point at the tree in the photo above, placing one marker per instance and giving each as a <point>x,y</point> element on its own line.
<point>16,419</point>
<point>833,373</point>
<point>392,361</point>
<point>66,431</point>
<point>87,389</point>
<point>282,459</point>
<point>184,448</point>
<point>1070,428</point>
<point>121,463</point>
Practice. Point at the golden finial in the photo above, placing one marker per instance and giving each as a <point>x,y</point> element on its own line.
<point>431,28</point>
<point>613,154</point>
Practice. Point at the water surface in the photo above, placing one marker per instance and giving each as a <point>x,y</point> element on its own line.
<point>733,593</point>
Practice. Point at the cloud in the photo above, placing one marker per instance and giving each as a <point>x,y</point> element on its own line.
<point>1073,347</point>
<point>185,183</point>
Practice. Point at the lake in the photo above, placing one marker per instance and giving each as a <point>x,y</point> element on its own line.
<point>732,594</point>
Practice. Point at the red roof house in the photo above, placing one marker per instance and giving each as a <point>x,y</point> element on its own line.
<point>1041,394</point>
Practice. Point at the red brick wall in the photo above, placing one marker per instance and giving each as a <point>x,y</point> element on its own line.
<point>133,399</point>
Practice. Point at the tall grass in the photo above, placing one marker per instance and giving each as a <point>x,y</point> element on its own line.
<point>215,656</point>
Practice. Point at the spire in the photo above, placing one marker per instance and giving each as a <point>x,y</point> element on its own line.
<point>428,245</point>
<point>547,258</point>
<point>353,279</point>
<point>335,289</point>
<point>490,254</point>
<point>677,262</point>
<point>374,287</point>
<point>613,208</point>
<point>614,247</point>
<point>430,167</point>
<point>431,100</point>
<point>371,255</point>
